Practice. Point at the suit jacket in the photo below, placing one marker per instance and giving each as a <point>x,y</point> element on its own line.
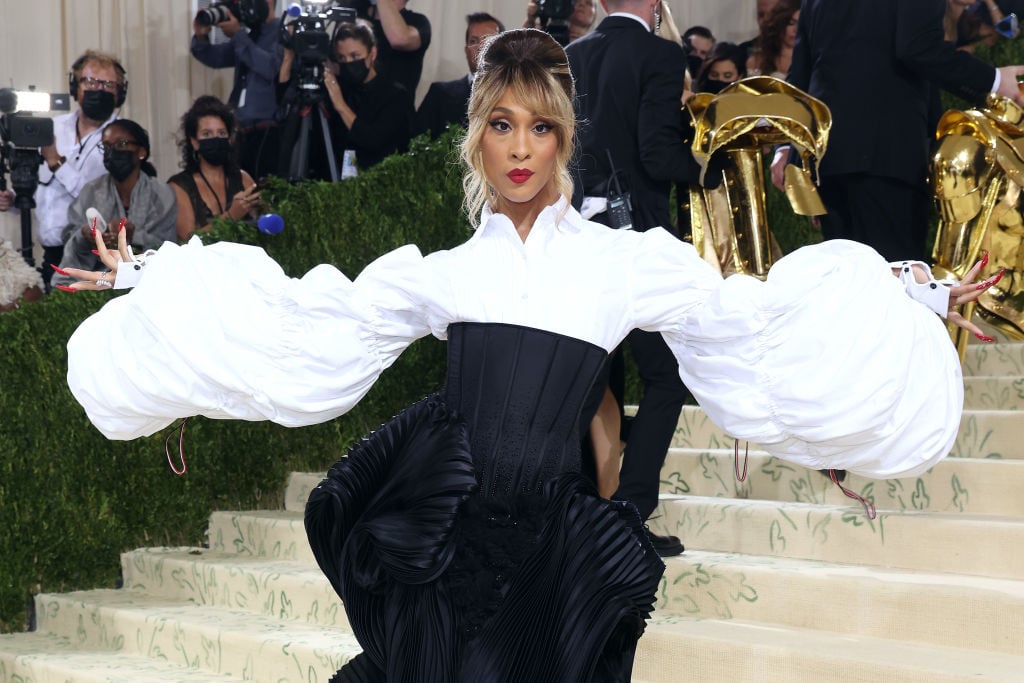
<point>628,84</point>
<point>874,63</point>
<point>446,102</point>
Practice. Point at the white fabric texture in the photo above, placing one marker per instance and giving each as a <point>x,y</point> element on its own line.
<point>827,364</point>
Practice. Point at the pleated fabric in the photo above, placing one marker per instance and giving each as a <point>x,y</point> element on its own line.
<point>447,580</point>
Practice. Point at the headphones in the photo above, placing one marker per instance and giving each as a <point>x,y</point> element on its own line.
<point>122,88</point>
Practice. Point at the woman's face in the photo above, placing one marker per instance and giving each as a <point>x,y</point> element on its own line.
<point>724,70</point>
<point>789,37</point>
<point>209,127</point>
<point>519,154</point>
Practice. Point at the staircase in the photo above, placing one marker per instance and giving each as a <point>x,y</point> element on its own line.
<point>784,579</point>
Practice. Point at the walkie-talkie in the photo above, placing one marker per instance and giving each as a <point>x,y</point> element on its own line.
<point>620,209</point>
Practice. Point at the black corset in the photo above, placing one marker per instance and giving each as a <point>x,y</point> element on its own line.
<point>520,391</point>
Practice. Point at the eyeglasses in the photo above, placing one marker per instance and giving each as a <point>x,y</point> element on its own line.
<point>123,143</point>
<point>90,83</point>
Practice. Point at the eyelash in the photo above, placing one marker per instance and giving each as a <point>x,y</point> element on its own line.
<point>502,126</point>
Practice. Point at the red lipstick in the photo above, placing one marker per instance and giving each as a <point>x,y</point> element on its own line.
<point>519,175</point>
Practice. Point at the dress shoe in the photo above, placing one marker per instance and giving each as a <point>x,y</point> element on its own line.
<point>665,546</point>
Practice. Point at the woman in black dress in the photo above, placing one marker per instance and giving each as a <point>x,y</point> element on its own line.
<point>460,536</point>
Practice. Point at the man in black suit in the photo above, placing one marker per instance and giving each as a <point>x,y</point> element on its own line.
<point>446,101</point>
<point>875,64</point>
<point>629,83</point>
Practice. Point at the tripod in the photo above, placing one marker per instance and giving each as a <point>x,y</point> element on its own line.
<point>303,97</point>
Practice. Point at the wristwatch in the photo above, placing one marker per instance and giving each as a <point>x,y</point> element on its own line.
<point>60,162</point>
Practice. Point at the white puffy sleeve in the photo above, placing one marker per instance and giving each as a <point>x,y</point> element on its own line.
<point>828,363</point>
<point>221,331</point>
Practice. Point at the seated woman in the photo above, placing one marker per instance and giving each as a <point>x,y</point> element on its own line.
<point>211,182</point>
<point>460,536</point>
<point>725,64</point>
<point>128,191</point>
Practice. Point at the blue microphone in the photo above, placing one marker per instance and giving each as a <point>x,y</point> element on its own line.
<point>270,224</point>
<point>294,10</point>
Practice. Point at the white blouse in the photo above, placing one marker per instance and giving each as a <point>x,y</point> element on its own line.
<point>828,363</point>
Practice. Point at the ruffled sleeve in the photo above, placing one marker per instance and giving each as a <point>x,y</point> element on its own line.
<point>221,331</point>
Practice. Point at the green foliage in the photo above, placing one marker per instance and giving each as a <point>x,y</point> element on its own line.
<point>71,501</point>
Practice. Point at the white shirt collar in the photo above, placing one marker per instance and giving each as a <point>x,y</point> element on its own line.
<point>647,27</point>
<point>547,220</point>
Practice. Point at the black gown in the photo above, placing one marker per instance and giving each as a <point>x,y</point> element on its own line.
<point>462,539</point>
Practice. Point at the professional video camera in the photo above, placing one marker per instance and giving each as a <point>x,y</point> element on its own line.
<point>21,136</point>
<point>304,30</point>
<point>252,13</point>
<point>554,18</point>
<point>361,7</point>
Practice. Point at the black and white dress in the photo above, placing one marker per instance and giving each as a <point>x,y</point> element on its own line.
<point>460,536</point>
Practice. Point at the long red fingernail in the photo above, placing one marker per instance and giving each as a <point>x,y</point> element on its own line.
<point>65,288</point>
<point>56,268</point>
<point>120,226</point>
<point>94,231</point>
<point>984,338</point>
<point>96,252</point>
<point>984,260</point>
<point>94,224</point>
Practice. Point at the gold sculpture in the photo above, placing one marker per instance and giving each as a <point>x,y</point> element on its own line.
<point>729,224</point>
<point>977,175</point>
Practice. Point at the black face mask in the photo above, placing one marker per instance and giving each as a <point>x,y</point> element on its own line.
<point>98,105</point>
<point>714,87</point>
<point>216,151</point>
<point>120,163</point>
<point>353,73</point>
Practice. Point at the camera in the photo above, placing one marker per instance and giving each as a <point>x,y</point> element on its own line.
<point>554,18</point>
<point>360,7</point>
<point>21,136</point>
<point>307,36</point>
<point>252,13</point>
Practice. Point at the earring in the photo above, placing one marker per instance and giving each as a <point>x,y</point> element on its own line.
<point>657,17</point>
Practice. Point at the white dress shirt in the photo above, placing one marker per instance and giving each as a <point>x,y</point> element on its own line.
<point>827,364</point>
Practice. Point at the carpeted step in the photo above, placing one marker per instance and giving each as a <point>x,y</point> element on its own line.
<point>982,545</point>
<point>272,534</point>
<point>45,658</point>
<point>951,610</point>
<point>994,393</point>
<point>986,360</point>
<point>972,485</point>
<point>221,641</point>
<point>983,434</point>
<point>283,589</point>
<point>685,649</point>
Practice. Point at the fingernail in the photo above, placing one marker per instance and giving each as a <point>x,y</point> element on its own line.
<point>94,231</point>
<point>56,268</point>
<point>120,225</point>
<point>984,260</point>
<point>984,338</point>
<point>65,288</point>
<point>94,224</point>
<point>96,252</point>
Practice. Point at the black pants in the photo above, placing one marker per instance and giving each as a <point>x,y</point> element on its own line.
<point>51,255</point>
<point>888,215</point>
<point>650,432</point>
<point>257,150</point>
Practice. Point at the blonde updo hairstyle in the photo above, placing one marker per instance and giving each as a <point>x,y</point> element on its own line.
<point>533,65</point>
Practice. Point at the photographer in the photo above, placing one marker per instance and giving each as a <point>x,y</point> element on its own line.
<point>256,55</point>
<point>376,114</point>
<point>97,82</point>
<point>402,36</point>
<point>580,20</point>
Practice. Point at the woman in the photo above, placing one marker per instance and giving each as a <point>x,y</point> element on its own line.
<point>376,114</point>
<point>725,64</point>
<point>211,182</point>
<point>778,35</point>
<point>128,191</point>
<point>460,536</point>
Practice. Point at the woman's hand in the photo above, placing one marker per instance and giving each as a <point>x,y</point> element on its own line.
<point>96,280</point>
<point>965,292</point>
<point>247,203</point>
